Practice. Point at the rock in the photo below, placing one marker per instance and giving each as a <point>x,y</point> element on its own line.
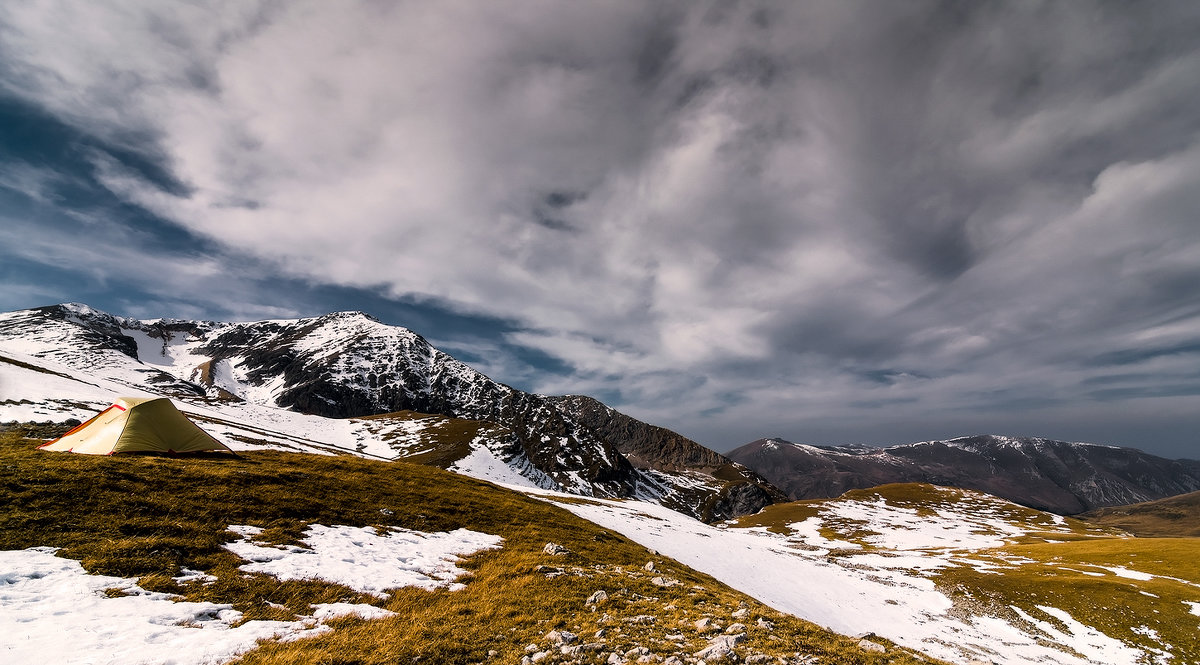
<point>601,633</point>
<point>720,648</point>
<point>868,645</point>
<point>705,625</point>
<point>649,567</point>
<point>597,598</point>
<point>561,637</point>
<point>735,628</point>
<point>758,659</point>
<point>615,659</point>
<point>673,660</point>
<point>554,549</point>
<point>530,648</point>
<point>741,614</point>
<point>664,581</point>
<point>579,649</point>
<point>539,656</point>
<point>637,652</point>
<point>649,658</point>
<point>641,619</point>
<point>765,625</point>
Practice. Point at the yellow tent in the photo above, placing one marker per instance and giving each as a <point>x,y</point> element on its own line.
<point>137,424</point>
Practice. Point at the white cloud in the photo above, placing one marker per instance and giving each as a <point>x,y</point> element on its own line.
<point>693,205</point>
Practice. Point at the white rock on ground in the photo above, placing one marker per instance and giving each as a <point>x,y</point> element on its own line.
<point>720,647</point>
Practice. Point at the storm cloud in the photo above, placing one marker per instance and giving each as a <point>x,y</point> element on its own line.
<point>832,221</point>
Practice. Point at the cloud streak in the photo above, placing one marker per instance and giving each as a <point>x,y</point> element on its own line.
<point>822,218</point>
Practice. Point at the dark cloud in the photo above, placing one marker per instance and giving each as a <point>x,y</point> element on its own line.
<point>835,221</point>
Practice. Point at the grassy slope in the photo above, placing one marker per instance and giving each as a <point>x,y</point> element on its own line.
<point>1173,517</point>
<point>146,517</point>
<point>1057,575</point>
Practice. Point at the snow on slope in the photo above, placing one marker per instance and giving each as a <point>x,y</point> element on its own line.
<point>38,389</point>
<point>880,592</point>
<point>340,364</point>
<point>55,612</point>
<point>365,559</point>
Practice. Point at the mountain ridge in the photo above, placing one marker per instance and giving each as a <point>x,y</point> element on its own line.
<point>1057,476</point>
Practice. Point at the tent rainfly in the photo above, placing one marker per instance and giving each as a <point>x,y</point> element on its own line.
<point>137,424</point>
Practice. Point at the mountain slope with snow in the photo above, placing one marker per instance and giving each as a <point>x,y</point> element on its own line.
<point>346,365</point>
<point>1061,477</point>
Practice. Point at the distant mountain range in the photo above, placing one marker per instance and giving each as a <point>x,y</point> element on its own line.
<point>348,364</point>
<point>1057,476</point>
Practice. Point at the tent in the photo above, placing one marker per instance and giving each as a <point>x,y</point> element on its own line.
<point>137,424</point>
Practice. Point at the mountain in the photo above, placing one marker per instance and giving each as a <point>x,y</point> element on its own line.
<point>1057,476</point>
<point>1173,517</point>
<point>348,364</point>
<point>657,449</point>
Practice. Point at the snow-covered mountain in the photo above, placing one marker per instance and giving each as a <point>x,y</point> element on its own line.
<point>348,364</point>
<point>1058,476</point>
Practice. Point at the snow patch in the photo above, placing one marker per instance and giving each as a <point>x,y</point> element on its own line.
<point>54,612</point>
<point>326,611</point>
<point>365,559</point>
<point>1121,571</point>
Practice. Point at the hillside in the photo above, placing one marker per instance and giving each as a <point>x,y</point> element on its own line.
<point>347,365</point>
<point>957,574</point>
<point>1173,517</point>
<point>196,539</point>
<point>913,564</point>
<point>1057,476</point>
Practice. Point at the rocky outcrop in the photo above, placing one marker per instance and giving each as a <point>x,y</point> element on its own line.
<point>740,491</point>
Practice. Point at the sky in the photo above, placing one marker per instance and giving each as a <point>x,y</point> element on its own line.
<point>834,222</point>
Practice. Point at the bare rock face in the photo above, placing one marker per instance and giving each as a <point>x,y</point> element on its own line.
<point>738,489</point>
<point>1056,476</point>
